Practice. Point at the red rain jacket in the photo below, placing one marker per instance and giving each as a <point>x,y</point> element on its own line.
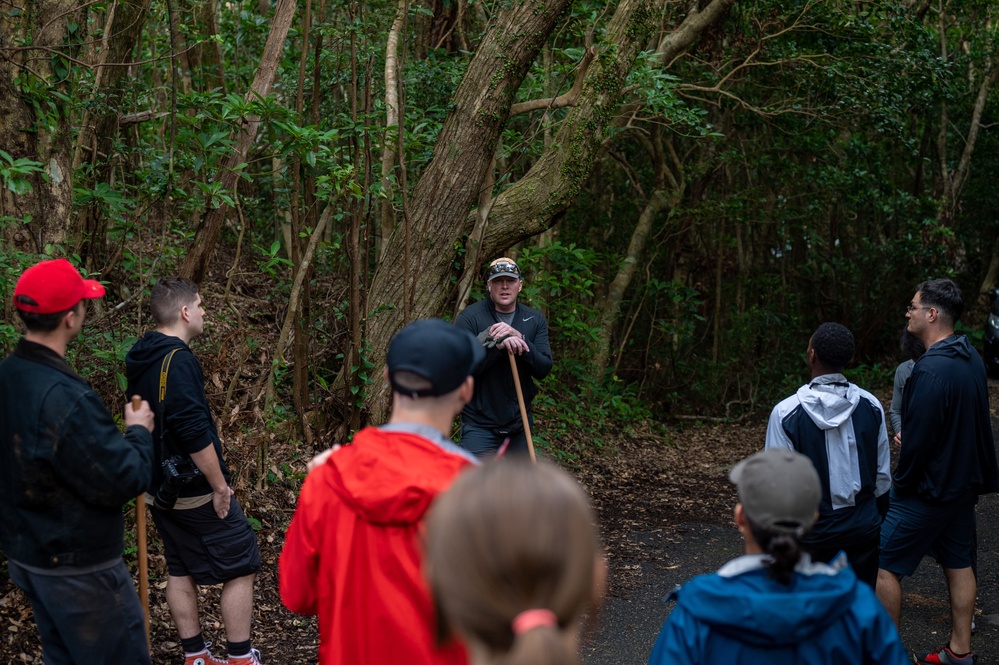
<point>352,554</point>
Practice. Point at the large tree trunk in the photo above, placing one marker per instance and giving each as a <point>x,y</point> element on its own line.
<point>195,265</point>
<point>448,188</point>
<point>538,200</point>
<point>33,123</point>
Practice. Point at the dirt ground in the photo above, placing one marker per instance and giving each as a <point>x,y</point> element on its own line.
<point>664,506</point>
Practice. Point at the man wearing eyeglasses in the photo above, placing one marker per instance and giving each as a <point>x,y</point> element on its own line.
<point>505,326</point>
<point>947,460</point>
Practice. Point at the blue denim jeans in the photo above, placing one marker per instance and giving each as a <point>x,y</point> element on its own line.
<point>91,618</point>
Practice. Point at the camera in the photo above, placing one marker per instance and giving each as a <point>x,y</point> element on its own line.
<point>178,472</point>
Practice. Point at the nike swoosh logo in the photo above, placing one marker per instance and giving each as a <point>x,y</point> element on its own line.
<point>527,318</point>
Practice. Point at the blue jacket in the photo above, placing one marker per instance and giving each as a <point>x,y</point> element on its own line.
<point>65,469</point>
<point>739,616</point>
<point>494,404</point>
<point>947,447</point>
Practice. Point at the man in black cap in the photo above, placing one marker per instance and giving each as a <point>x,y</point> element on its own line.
<point>65,472</point>
<point>505,327</point>
<point>352,552</point>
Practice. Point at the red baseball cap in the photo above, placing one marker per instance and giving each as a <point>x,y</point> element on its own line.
<point>56,286</point>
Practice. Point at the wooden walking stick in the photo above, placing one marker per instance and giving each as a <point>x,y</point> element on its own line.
<point>140,527</point>
<point>523,407</point>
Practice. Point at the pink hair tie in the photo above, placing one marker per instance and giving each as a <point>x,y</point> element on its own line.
<point>531,619</point>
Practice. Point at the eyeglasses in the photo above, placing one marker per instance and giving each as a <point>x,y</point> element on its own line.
<point>911,308</point>
<point>501,268</point>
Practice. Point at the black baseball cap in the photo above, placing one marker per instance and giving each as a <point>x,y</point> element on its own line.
<point>436,351</point>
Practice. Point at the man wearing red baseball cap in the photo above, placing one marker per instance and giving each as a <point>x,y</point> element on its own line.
<point>65,472</point>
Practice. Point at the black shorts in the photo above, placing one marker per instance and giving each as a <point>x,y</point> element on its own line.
<point>208,549</point>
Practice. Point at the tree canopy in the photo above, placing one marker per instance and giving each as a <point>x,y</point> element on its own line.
<point>690,186</point>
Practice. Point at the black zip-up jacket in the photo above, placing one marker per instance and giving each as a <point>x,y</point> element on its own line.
<point>65,468</point>
<point>184,422</point>
<point>494,404</point>
<point>947,447</point>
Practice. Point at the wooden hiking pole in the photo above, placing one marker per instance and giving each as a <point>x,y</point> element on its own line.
<point>523,407</point>
<point>140,527</point>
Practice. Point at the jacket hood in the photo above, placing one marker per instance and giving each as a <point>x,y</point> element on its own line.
<point>391,478</point>
<point>753,609</point>
<point>149,350</point>
<point>955,346</point>
<point>829,400</point>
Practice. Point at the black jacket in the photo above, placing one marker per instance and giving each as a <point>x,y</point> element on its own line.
<point>494,403</point>
<point>65,468</point>
<point>184,422</point>
<point>947,446</point>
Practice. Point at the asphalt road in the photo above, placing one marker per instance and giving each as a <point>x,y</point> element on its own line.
<point>628,622</point>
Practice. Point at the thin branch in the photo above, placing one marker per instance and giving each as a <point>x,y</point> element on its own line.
<point>80,63</point>
<point>567,99</point>
<point>140,116</point>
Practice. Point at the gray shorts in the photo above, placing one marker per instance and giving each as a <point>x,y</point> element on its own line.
<point>199,544</point>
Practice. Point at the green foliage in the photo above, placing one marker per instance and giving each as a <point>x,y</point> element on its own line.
<point>559,279</point>
<point>104,356</point>
<point>15,174</point>
<point>565,289</point>
<point>801,140</point>
<point>111,202</point>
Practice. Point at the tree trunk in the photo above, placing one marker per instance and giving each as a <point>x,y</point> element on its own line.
<point>449,187</point>
<point>667,191</point>
<point>659,200</point>
<point>195,265</point>
<point>954,181</point>
<point>539,199</point>
<point>99,129</point>
<point>33,122</point>
<point>205,57</point>
<point>391,121</point>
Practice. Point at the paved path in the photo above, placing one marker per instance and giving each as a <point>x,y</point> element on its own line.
<point>629,621</point>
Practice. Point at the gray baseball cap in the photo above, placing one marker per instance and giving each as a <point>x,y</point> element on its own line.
<point>779,490</point>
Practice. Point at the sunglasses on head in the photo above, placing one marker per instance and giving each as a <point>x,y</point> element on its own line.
<point>500,268</point>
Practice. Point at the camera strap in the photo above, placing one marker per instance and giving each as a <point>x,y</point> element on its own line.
<point>164,370</point>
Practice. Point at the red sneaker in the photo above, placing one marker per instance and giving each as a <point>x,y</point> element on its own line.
<point>946,657</point>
